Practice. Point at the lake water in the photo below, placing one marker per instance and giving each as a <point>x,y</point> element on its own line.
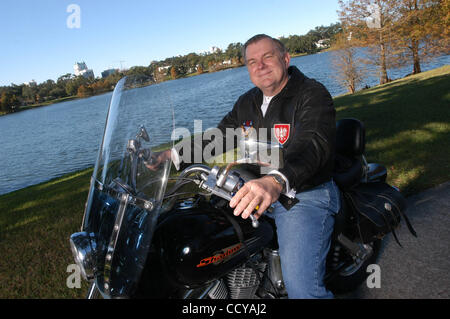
<point>47,142</point>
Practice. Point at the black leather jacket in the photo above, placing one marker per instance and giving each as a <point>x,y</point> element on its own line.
<point>307,107</point>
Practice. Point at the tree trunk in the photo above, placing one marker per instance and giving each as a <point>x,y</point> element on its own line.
<point>383,75</point>
<point>416,57</point>
<point>352,86</point>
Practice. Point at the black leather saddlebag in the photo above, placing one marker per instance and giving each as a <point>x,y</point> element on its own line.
<point>378,210</point>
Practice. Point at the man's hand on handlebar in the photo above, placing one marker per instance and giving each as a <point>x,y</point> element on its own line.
<point>256,194</point>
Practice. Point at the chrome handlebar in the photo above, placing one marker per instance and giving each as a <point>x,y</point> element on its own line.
<point>218,182</point>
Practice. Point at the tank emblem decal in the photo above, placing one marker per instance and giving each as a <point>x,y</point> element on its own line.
<point>220,256</point>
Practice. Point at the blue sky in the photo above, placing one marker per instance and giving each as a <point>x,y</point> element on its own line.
<point>35,42</point>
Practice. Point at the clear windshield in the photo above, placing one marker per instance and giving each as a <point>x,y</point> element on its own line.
<point>125,196</point>
<point>260,148</point>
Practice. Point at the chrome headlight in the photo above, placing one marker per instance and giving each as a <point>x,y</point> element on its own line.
<point>83,250</point>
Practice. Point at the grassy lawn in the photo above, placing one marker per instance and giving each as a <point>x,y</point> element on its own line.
<point>407,129</point>
<point>35,225</point>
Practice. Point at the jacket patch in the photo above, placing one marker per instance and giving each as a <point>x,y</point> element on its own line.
<point>247,126</point>
<point>282,132</point>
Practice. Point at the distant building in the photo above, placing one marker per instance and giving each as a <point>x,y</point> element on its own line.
<point>214,50</point>
<point>164,68</point>
<point>31,83</point>
<point>80,68</point>
<point>324,43</point>
<point>108,72</point>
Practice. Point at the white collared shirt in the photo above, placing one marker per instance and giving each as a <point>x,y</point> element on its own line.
<point>265,105</point>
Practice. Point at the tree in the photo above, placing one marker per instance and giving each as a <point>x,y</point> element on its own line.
<point>8,100</point>
<point>44,89</point>
<point>422,29</point>
<point>234,51</point>
<point>370,23</point>
<point>192,61</point>
<point>5,104</point>
<point>14,102</point>
<point>71,88</point>
<point>346,63</point>
<point>139,70</point>
<point>296,44</point>
<point>173,73</point>
<point>398,31</point>
<point>64,78</point>
<point>29,94</point>
<point>84,91</point>
<point>57,92</point>
<point>329,32</point>
<point>73,84</point>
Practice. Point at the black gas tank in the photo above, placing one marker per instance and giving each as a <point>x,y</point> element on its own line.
<point>199,243</point>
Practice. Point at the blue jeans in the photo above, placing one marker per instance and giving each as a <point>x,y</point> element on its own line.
<point>304,235</point>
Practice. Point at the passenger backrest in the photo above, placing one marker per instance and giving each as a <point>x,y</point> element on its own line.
<point>350,137</point>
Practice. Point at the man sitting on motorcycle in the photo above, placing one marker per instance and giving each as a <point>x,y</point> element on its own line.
<point>302,111</point>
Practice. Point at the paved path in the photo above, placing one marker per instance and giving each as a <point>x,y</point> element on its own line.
<point>421,269</point>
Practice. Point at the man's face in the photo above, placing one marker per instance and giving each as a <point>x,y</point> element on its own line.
<point>267,67</point>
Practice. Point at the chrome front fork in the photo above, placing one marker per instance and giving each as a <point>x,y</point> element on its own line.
<point>93,292</point>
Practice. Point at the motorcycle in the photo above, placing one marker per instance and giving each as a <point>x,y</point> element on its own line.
<point>158,233</point>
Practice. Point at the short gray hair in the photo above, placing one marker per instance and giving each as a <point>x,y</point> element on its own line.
<point>278,44</point>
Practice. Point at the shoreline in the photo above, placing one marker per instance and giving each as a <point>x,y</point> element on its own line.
<point>74,97</point>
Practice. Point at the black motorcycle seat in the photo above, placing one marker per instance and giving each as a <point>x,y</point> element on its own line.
<point>347,172</point>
